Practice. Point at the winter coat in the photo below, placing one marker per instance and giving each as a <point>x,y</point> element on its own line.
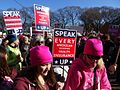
<point>6,83</point>
<point>22,83</point>
<point>80,77</point>
<point>12,60</point>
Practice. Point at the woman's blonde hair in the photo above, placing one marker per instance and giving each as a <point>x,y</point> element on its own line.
<point>100,63</point>
<point>36,40</point>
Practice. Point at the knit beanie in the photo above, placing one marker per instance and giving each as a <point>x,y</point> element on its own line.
<point>93,47</point>
<point>11,38</point>
<point>40,55</point>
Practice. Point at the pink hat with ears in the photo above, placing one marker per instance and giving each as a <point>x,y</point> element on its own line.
<point>93,47</point>
<point>40,55</point>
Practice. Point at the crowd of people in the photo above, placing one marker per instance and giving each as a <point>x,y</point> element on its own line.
<point>26,63</point>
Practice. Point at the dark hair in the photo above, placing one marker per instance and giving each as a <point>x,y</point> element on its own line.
<point>32,72</point>
<point>3,42</point>
<point>4,68</point>
<point>106,37</point>
<point>51,76</point>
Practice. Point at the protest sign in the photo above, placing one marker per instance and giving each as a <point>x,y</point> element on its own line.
<point>42,21</point>
<point>13,22</point>
<point>64,46</point>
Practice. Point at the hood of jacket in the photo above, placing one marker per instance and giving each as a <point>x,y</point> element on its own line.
<point>26,80</point>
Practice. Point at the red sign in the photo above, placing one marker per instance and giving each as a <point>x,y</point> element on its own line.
<point>42,21</point>
<point>64,46</point>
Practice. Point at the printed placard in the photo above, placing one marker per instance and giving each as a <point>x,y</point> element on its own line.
<point>15,31</point>
<point>42,20</point>
<point>64,46</point>
<point>12,20</point>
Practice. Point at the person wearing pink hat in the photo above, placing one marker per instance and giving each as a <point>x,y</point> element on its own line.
<point>40,75</point>
<point>80,45</point>
<point>88,71</point>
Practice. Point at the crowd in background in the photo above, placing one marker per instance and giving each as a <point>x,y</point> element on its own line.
<point>21,70</point>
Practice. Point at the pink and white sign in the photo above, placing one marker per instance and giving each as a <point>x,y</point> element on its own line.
<point>13,21</point>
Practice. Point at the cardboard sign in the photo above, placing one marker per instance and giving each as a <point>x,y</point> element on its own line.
<point>42,20</point>
<point>64,46</point>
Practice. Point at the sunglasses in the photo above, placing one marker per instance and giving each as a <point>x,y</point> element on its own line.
<point>94,57</point>
<point>39,42</point>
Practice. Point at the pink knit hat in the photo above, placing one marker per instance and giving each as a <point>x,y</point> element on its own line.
<point>93,47</point>
<point>40,55</point>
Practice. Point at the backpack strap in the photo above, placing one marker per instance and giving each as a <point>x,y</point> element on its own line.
<point>94,80</point>
<point>29,87</point>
